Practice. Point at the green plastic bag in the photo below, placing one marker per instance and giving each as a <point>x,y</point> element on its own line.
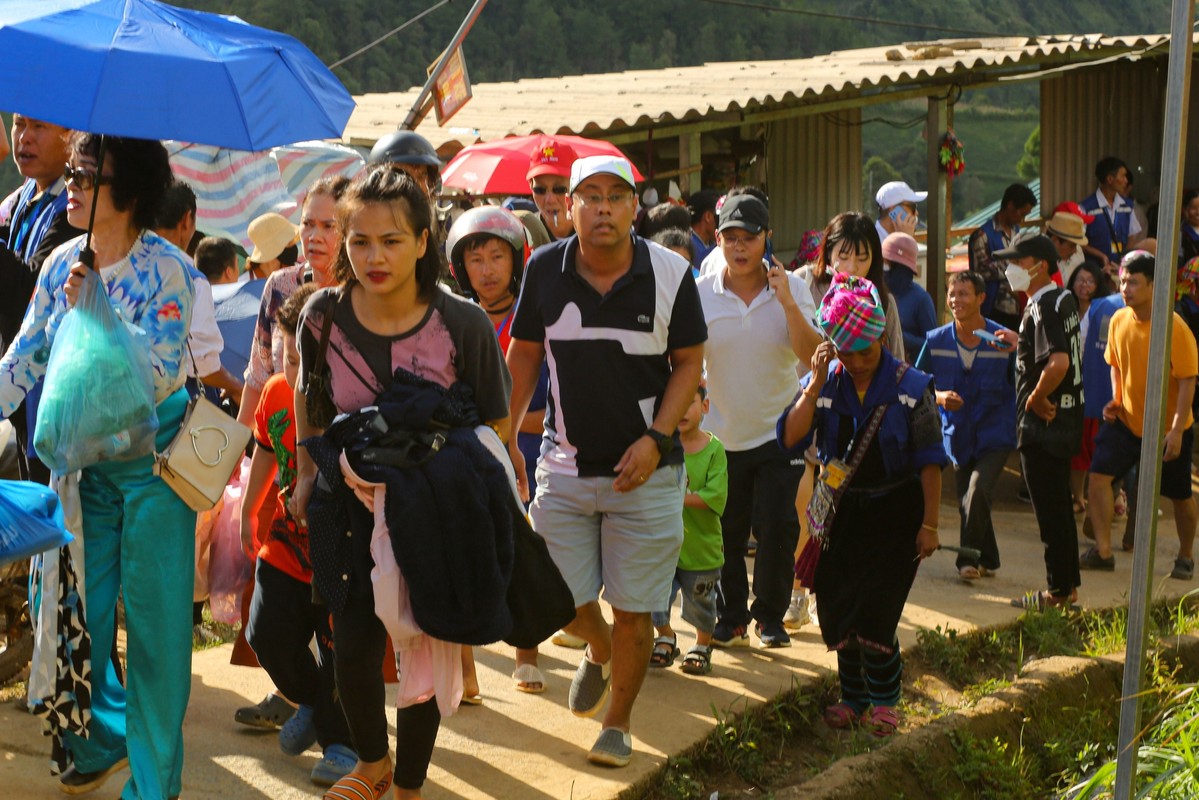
<point>98,394</point>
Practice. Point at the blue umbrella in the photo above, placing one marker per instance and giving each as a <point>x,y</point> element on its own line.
<point>148,70</point>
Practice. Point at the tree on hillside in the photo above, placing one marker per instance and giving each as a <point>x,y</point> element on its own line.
<point>1029,165</point>
<point>875,173</point>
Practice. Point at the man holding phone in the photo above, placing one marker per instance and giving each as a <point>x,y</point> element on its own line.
<point>759,332</point>
<point>897,212</point>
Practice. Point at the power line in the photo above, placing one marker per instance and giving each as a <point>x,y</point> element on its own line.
<point>851,18</point>
<point>389,34</point>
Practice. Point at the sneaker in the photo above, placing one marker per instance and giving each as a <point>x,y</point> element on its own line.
<point>1092,560</point>
<point>797,614</point>
<point>564,639</point>
<point>269,714</point>
<point>1184,569</point>
<point>298,733</point>
<point>772,634</point>
<point>337,762</point>
<point>725,635</point>
<point>613,748</point>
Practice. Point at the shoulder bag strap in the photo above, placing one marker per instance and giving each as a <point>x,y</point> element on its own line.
<point>326,328</point>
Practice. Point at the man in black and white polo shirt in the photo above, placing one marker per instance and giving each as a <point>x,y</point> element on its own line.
<point>620,322</point>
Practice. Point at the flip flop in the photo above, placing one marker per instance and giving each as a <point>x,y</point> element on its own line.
<point>529,679</point>
<point>472,699</point>
<point>969,573</point>
<point>355,787</point>
<point>72,781</point>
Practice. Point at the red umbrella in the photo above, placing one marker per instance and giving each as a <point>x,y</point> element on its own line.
<point>499,167</point>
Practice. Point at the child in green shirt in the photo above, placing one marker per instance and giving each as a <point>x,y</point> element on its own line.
<point>703,544</point>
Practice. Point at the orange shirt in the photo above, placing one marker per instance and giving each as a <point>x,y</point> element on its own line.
<point>1128,352</point>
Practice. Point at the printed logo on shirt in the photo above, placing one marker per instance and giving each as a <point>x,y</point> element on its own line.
<point>170,311</point>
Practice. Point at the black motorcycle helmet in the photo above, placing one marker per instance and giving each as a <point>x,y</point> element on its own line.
<point>408,147</point>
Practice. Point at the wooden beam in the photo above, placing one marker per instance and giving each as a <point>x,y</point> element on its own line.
<point>690,163</point>
<point>938,192</point>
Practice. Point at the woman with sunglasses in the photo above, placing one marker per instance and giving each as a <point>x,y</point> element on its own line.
<point>548,176</point>
<point>138,535</point>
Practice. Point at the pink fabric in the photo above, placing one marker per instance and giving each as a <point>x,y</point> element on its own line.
<point>428,667</point>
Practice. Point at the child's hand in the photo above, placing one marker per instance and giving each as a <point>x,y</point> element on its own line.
<point>927,541</point>
<point>247,539</point>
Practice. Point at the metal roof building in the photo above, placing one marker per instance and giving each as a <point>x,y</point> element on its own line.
<point>798,120</point>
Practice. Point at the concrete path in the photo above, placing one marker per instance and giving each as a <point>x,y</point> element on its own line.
<point>529,747</point>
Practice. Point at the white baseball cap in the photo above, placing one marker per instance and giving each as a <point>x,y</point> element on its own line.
<point>584,168</point>
<point>892,194</point>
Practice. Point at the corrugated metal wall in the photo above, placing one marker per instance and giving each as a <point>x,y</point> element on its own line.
<point>1115,109</point>
<point>814,171</point>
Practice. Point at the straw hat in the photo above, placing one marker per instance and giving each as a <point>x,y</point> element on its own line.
<point>1070,227</point>
<point>271,234</point>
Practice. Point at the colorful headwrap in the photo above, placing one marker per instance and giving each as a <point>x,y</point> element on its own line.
<point>1188,278</point>
<point>809,247</point>
<point>851,313</point>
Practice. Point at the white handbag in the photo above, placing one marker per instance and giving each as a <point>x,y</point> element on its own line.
<point>199,461</point>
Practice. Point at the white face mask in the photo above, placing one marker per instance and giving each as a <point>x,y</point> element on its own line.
<point>1017,277</point>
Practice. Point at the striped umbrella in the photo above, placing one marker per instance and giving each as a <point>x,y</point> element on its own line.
<point>234,187</point>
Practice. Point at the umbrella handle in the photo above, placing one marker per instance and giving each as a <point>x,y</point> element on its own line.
<point>87,256</point>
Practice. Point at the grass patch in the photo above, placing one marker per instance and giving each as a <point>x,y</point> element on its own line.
<point>758,749</point>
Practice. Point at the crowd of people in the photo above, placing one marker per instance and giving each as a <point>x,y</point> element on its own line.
<point>662,394</point>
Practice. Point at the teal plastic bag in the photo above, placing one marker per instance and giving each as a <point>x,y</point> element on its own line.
<point>98,394</point>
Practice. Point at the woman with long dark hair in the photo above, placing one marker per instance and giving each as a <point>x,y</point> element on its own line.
<point>139,537</point>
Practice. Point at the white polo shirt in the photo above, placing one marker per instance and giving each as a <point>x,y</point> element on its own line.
<point>752,372</point>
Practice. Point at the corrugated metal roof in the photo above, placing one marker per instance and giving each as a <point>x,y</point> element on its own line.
<point>604,104</point>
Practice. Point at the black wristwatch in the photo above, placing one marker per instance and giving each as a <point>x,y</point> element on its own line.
<point>665,443</point>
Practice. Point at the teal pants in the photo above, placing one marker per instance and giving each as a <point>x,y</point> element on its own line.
<point>139,540</point>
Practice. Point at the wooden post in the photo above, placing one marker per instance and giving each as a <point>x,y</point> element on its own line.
<point>690,163</point>
<point>938,189</point>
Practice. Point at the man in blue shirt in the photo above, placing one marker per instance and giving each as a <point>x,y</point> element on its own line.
<point>1115,228</point>
<point>976,393</point>
<point>702,205</point>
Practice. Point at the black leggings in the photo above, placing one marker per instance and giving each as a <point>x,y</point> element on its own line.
<point>359,647</point>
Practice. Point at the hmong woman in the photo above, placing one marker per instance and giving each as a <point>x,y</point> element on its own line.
<point>878,438</point>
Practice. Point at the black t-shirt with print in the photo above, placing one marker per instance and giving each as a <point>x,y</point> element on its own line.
<point>1050,325</point>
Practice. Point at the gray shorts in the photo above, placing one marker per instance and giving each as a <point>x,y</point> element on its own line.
<point>628,544</point>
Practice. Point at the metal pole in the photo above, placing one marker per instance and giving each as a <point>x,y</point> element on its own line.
<point>1174,133</point>
<point>414,114</point>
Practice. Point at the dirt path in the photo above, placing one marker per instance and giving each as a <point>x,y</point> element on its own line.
<point>529,746</point>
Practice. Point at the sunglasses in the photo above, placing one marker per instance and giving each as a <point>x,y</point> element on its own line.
<point>539,190</point>
<point>85,179</point>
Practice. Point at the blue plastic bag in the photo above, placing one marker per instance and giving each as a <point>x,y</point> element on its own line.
<point>98,394</point>
<point>30,520</point>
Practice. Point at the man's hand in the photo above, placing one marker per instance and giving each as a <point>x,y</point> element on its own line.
<point>1173,445</point>
<point>1042,407</point>
<point>950,401</point>
<point>636,465</point>
<point>1111,411</point>
<point>1010,340</point>
<point>776,277</point>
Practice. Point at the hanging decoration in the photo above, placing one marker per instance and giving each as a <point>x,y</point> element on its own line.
<point>952,159</point>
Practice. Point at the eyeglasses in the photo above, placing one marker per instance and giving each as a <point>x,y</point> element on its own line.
<point>736,242</point>
<point>540,190</point>
<point>85,179</point>
<point>595,200</point>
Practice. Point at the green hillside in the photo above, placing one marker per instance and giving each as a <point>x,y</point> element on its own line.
<point>533,38</point>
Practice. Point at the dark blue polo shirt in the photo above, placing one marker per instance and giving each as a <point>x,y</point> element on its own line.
<point>608,355</point>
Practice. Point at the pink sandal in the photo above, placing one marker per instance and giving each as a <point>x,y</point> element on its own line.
<point>840,716</point>
<point>883,720</point>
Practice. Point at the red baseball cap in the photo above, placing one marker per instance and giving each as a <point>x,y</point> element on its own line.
<point>1076,210</point>
<point>550,157</point>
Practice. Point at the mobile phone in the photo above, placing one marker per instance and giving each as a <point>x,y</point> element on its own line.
<point>769,256</point>
<point>898,214</point>
<point>987,336</point>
